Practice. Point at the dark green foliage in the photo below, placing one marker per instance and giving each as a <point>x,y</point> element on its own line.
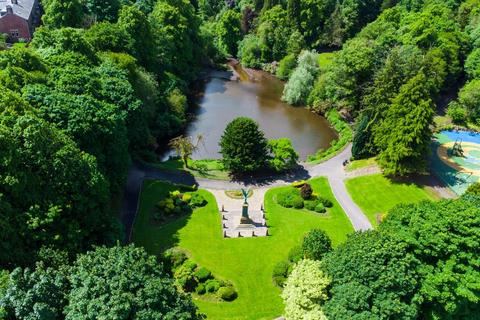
<point>62,13</point>
<point>185,276</point>
<point>310,204</point>
<point>281,272</point>
<point>103,10</point>
<point>295,254</point>
<point>361,139</point>
<point>474,189</point>
<point>95,286</point>
<point>203,274</point>
<point>243,146</point>
<point>212,285</point>
<point>441,235</point>
<point>227,293</point>
<point>52,193</point>
<point>326,202</point>
<point>100,278</point>
<point>290,198</point>
<point>173,258</point>
<point>197,200</point>
<point>200,289</point>
<point>250,51</point>
<point>306,191</point>
<point>320,208</point>
<point>372,275</point>
<point>419,264</point>
<point>316,244</point>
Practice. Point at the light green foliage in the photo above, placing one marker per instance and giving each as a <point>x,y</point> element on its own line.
<point>250,51</point>
<point>286,66</point>
<point>228,31</point>
<point>316,244</point>
<point>457,112</point>
<point>472,64</point>
<point>52,193</point>
<point>274,31</point>
<point>305,291</point>
<point>474,189</point>
<point>469,98</point>
<point>404,135</point>
<point>243,146</point>
<point>302,79</point>
<point>284,157</point>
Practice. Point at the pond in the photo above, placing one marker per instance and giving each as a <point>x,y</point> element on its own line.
<point>225,95</point>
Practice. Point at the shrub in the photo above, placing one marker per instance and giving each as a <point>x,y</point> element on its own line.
<point>310,204</point>
<point>290,198</point>
<point>306,191</point>
<point>280,273</point>
<point>227,293</point>
<point>197,200</point>
<point>200,289</point>
<point>320,208</point>
<point>212,285</point>
<point>457,112</point>
<point>173,258</point>
<point>286,66</point>
<point>316,244</point>
<point>185,277</point>
<point>327,203</point>
<point>295,254</point>
<point>203,274</point>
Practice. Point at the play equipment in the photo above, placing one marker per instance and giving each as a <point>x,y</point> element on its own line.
<point>457,150</point>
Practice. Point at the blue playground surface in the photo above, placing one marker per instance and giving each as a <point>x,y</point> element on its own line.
<point>456,170</point>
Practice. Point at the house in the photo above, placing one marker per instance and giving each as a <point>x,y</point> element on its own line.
<point>18,18</point>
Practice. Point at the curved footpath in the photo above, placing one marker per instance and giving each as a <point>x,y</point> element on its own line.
<point>332,169</point>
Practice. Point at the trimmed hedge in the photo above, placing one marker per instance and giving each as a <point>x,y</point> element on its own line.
<point>227,293</point>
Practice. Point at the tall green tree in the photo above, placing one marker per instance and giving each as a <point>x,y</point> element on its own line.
<point>243,146</point>
<point>404,135</point>
<point>229,31</point>
<point>62,13</point>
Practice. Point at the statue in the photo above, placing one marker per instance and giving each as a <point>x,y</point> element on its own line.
<point>245,195</point>
<point>245,219</point>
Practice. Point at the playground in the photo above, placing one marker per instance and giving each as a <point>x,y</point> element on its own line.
<point>456,158</point>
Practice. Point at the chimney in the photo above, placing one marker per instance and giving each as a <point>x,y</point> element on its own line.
<point>9,9</point>
<point>14,1</point>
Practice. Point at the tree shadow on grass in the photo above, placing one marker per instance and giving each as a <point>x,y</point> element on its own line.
<point>265,178</point>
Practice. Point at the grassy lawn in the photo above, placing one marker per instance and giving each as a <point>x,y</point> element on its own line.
<point>376,194</point>
<point>209,168</point>
<point>358,164</point>
<point>247,262</point>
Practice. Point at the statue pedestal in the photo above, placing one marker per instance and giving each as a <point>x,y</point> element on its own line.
<point>245,220</point>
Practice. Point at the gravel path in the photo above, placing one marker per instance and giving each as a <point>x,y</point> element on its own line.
<point>332,169</point>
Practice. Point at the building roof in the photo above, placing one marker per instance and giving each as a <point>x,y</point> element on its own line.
<point>21,8</point>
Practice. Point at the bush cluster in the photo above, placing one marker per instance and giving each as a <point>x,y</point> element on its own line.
<point>302,196</point>
<point>189,277</point>
<point>178,203</point>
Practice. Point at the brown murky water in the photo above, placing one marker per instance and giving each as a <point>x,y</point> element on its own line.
<point>230,94</point>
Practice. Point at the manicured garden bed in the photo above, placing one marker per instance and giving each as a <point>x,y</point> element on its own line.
<point>246,262</point>
<point>376,194</point>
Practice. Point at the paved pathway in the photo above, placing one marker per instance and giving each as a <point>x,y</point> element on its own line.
<point>332,169</point>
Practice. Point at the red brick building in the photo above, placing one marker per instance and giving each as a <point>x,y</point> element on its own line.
<point>18,18</point>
